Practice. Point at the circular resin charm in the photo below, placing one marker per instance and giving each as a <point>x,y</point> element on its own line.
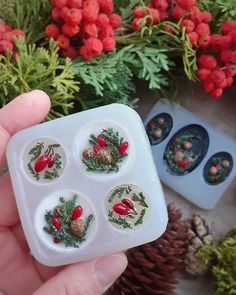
<point>105,151</point>
<point>158,128</point>
<point>44,160</point>
<point>127,207</point>
<point>186,149</point>
<point>218,168</point>
<point>64,220</point>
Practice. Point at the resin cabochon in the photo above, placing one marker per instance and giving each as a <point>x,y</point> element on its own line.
<point>137,170</point>
<point>193,186</point>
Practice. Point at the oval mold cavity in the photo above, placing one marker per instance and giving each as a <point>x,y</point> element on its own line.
<point>158,128</point>
<point>218,168</point>
<point>186,149</point>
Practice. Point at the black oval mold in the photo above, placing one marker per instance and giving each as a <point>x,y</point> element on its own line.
<point>159,127</point>
<point>186,149</point>
<point>218,168</point>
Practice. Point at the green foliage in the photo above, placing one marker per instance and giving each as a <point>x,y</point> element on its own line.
<point>120,220</point>
<point>38,68</point>
<point>104,80</point>
<point>223,260</point>
<point>140,219</point>
<point>140,199</point>
<point>30,16</point>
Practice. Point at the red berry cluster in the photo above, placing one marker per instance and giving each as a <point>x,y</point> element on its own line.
<point>194,21</point>
<point>216,71</point>
<point>84,27</point>
<point>7,38</point>
<point>150,14</point>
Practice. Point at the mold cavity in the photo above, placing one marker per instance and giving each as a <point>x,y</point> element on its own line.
<point>218,168</point>
<point>159,127</point>
<point>186,149</point>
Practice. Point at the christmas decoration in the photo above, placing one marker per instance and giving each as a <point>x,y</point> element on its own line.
<point>198,235</point>
<point>44,160</point>
<point>186,149</point>
<point>67,224</point>
<point>107,152</point>
<point>127,207</point>
<point>153,267</point>
<point>222,259</point>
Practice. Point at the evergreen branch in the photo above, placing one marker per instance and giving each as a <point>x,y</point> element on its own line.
<point>34,174</point>
<point>58,161</point>
<point>93,165</point>
<point>140,219</point>
<point>50,175</point>
<point>119,221</point>
<point>117,192</point>
<point>36,151</point>
<point>140,199</point>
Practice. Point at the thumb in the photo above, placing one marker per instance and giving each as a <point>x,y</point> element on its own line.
<point>86,278</point>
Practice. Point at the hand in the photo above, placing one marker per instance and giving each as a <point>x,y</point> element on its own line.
<point>20,273</point>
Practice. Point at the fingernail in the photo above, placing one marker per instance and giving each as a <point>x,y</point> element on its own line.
<point>109,268</point>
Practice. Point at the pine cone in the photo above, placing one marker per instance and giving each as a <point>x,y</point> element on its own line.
<point>104,156</point>
<point>77,227</point>
<point>152,267</point>
<point>198,235</point>
<point>88,154</point>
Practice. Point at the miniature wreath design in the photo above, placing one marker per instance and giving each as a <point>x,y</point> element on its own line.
<point>67,223</point>
<point>45,161</point>
<point>127,207</point>
<point>106,152</point>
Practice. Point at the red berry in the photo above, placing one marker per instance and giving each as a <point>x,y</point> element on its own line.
<point>123,148</point>
<point>233,35</point>
<point>229,81</point>
<point>90,10</point>
<point>121,209</point>
<point>41,163</point>
<point>108,43</point>
<point>137,23</point>
<point>149,5</point>
<point>7,36</point>
<point>230,72</point>
<point>106,6</point>
<point>183,163</point>
<point>178,12</point>
<point>74,3</point>
<point>226,42</point>
<point>56,240</point>
<point>222,84</point>
<point>72,16</point>
<point>115,20</point>
<point>56,14</point>
<point>52,31</point>
<point>217,76</point>
<point>193,38</point>
<point>203,74</point>
<point>208,85</point>
<point>216,41</point>
<point>96,148</point>
<point>226,56</point>
<point>106,32</point>
<point>63,41</point>
<point>18,33</point>
<point>51,160</point>
<point>188,25</point>
<point>161,5</point>
<point>202,29</point>
<point>163,15</point>
<point>207,61</point>
<point>217,92</point>
<point>204,42</point>
<point>151,125</point>
<point>101,141</point>
<point>93,47</point>
<point>206,17</point>
<point>58,3</point>
<point>70,52</point>
<point>77,212</point>
<point>228,27</point>
<point>195,15</point>
<point>153,16</point>
<point>4,28</point>
<point>56,222</point>
<point>186,4</point>
<point>102,20</point>
<point>139,11</point>
<point>91,30</point>
<point>70,30</point>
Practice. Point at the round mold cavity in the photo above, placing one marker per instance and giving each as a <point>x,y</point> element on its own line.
<point>186,149</point>
<point>159,127</point>
<point>218,168</point>
<point>99,147</point>
<point>44,160</point>
<point>79,230</point>
<point>127,207</point>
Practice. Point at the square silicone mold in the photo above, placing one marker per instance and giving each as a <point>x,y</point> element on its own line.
<point>86,185</point>
<point>191,156</point>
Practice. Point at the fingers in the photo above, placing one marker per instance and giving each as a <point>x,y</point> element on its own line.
<point>24,111</point>
<point>87,278</point>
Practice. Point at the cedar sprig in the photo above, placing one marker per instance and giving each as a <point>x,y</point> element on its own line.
<point>119,192</point>
<point>93,165</point>
<point>120,221</point>
<point>36,151</point>
<point>140,218</point>
<point>140,199</point>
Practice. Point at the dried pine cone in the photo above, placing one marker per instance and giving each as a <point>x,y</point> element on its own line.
<point>57,211</point>
<point>88,154</point>
<point>104,156</point>
<point>152,267</point>
<point>198,235</point>
<point>77,227</point>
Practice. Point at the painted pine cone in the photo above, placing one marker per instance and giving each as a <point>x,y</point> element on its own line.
<point>152,267</point>
<point>198,235</point>
<point>104,156</point>
<point>77,227</point>
<point>88,154</point>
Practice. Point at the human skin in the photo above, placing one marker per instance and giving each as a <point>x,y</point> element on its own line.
<point>20,273</point>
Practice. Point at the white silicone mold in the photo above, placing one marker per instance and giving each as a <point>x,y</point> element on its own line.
<point>137,170</point>
<point>193,186</point>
